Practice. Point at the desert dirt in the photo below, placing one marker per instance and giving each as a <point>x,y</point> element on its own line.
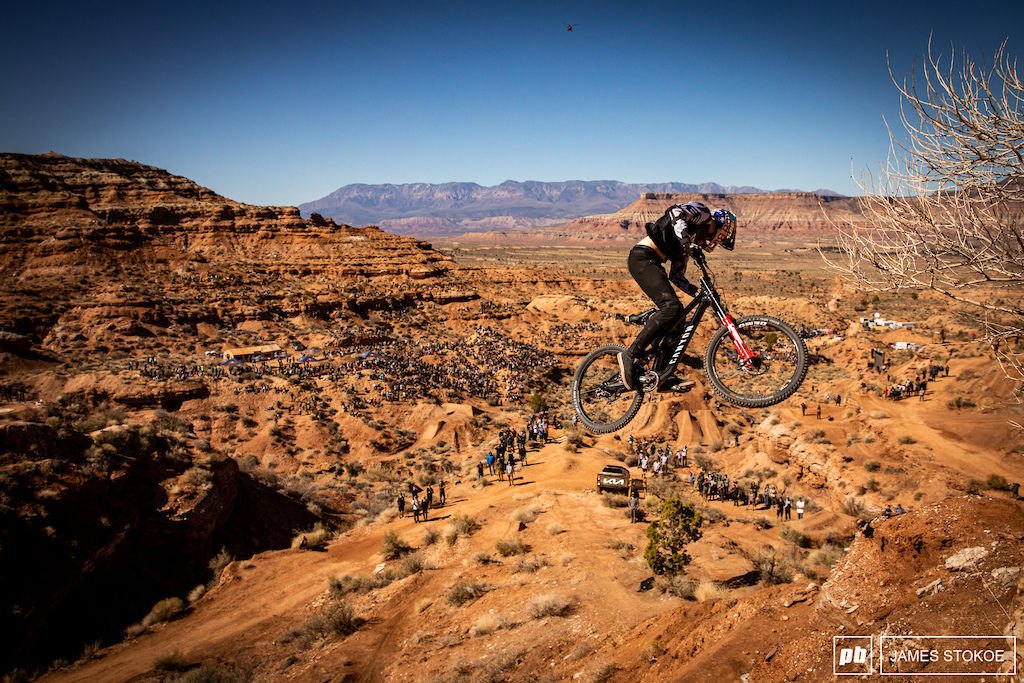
<point>591,556</point>
<point>131,457</point>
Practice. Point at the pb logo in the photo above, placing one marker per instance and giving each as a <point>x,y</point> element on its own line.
<point>852,655</point>
<point>857,655</point>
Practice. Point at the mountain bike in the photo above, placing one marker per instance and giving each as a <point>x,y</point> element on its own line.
<point>752,361</point>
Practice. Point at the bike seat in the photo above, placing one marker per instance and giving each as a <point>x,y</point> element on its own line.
<point>640,318</point>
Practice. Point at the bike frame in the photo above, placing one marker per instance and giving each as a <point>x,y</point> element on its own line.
<point>668,349</point>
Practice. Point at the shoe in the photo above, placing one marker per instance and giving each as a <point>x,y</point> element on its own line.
<point>626,370</point>
<point>673,383</point>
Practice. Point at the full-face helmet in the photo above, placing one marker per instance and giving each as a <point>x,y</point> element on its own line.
<point>726,232</point>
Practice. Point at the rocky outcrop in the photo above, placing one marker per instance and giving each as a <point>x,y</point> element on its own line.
<point>100,525</point>
<point>814,464</point>
<point>57,211</point>
<point>800,216</point>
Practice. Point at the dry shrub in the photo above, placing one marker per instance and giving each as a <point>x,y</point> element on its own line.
<point>162,611</point>
<point>422,604</point>
<point>548,605</point>
<point>412,563</point>
<point>854,507</point>
<point>431,536</point>
<point>795,536</point>
<point>466,591</point>
<point>554,529</point>
<point>356,583</point>
<point>772,567</point>
<point>336,618</point>
<point>488,623</point>
<point>219,562</point>
<point>677,585</point>
<point>601,671</point>
<point>510,546</point>
<point>391,546</point>
<point>317,537</point>
<point>525,514</point>
<point>580,651</point>
<point>827,555</point>
<point>461,525</point>
<point>707,591</point>
<point>172,661</point>
<point>481,557</point>
<point>196,593</point>
<point>388,515</point>
<point>614,500</point>
<point>529,565</point>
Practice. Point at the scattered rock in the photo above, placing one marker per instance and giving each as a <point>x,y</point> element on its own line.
<point>1006,575</point>
<point>965,559</point>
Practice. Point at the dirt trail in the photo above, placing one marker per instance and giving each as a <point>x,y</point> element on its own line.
<point>259,599</point>
<point>591,553</point>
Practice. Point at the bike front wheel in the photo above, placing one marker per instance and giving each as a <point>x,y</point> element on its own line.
<point>779,366</point>
<point>600,399</point>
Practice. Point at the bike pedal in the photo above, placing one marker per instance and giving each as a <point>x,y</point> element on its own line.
<point>649,381</point>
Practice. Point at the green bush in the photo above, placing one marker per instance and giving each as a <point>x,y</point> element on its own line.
<point>668,537</point>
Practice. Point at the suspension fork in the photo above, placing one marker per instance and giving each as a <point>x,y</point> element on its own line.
<point>709,293</point>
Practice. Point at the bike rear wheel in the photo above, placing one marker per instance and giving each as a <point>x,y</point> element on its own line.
<point>601,400</point>
<point>776,372</point>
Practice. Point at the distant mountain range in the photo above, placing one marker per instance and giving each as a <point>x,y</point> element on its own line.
<point>456,208</point>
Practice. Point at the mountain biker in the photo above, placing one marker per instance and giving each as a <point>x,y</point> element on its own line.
<point>669,239</point>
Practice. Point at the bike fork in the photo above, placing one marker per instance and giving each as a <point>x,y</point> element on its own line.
<point>741,346</point>
<point>737,341</point>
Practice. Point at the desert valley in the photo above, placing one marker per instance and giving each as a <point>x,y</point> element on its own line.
<point>209,409</point>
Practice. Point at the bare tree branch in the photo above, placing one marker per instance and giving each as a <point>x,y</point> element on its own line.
<point>945,211</point>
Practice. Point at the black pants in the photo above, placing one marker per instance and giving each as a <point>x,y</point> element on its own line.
<point>646,268</point>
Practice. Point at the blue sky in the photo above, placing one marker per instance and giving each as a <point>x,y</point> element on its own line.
<point>282,103</point>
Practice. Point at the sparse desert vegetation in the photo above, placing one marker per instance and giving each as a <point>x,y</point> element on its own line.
<point>227,494</point>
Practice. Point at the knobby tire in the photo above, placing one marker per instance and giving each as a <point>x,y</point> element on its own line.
<point>781,367</point>
<point>600,400</point>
